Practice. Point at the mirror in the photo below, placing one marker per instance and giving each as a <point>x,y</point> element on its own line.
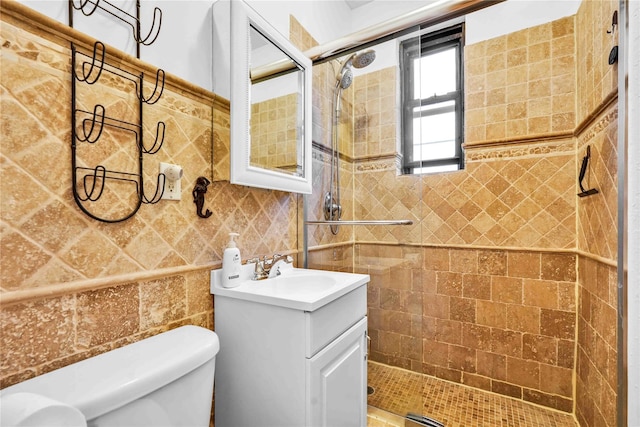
<point>270,82</point>
<point>277,109</point>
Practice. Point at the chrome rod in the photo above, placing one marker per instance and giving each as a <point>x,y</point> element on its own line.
<point>371,222</point>
<point>433,13</point>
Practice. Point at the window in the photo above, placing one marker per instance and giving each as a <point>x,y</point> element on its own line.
<point>432,99</point>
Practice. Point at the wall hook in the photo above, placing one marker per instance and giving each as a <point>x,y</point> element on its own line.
<point>613,55</point>
<point>198,196</point>
<point>583,171</point>
<point>614,23</point>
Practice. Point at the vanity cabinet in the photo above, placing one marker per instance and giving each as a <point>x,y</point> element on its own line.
<point>337,380</point>
<point>280,366</point>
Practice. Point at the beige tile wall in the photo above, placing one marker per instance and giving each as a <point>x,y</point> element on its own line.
<point>521,85</point>
<point>500,320</point>
<point>597,226</point>
<point>73,287</point>
<point>324,82</point>
<point>450,295</point>
<point>376,115</point>
<point>274,133</point>
<point>596,366</point>
<point>597,79</point>
<point>490,268</point>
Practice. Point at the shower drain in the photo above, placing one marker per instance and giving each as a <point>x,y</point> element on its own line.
<point>370,390</point>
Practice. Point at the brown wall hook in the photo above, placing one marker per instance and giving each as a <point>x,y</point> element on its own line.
<point>198,196</point>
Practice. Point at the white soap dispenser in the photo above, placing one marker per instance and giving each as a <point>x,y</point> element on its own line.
<point>231,263</point>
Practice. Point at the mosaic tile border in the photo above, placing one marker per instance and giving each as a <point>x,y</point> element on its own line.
<point>512,151</point>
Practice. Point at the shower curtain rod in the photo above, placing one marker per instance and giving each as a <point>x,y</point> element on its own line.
<point>433,13</point>
<point>370,222</point>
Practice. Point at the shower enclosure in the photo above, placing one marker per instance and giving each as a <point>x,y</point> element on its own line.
<point>355,164</point>
<point>503,278</point>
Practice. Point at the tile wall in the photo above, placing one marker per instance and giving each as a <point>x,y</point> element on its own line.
<point>481,290</point>
<point>275,120</point>
<point>73,287</point>
<point>320,237</point>
<point>521,85</point>
<point>597,225</point>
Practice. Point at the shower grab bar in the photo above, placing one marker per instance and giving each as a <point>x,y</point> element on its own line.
<point>369,222</point>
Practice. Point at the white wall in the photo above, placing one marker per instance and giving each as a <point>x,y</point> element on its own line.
<point>513,15</point>
<point>183,46</point>
<point>325,20</point>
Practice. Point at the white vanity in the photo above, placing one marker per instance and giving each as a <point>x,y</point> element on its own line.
<point>293,350</point>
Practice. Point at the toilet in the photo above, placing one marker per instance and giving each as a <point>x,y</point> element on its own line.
<point>164,380</point>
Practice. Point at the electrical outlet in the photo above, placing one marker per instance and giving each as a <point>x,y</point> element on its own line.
<point>172,189</point>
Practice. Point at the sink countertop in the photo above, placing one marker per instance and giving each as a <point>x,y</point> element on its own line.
<point>295,288</point>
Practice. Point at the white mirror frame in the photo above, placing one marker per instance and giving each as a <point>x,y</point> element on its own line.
<point>242,173</point>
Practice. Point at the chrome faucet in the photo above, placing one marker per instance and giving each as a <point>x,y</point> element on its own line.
<point>263,267</point>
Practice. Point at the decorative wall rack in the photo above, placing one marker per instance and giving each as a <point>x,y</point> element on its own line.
<point>98,136</point>
<point>101,138</point>
<point>88,7</point>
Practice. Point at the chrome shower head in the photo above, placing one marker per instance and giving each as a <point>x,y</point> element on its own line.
<point>345,77</point>
<point>357,60</point>
<point>362,59</point>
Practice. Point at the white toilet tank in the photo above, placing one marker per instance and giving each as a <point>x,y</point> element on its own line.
<point>164,380</point>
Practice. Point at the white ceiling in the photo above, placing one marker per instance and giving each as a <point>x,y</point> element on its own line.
<point>353,4</point>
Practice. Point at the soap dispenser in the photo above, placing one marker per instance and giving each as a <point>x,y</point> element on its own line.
<point>231,263</point>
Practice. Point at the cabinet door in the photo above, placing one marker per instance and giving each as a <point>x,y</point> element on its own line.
<point>337,381</point>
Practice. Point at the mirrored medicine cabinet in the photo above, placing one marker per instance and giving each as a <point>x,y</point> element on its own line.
<point>268,82</point>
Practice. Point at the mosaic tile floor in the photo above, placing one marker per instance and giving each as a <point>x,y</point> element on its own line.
<point>379,418</point>
<point>455,405</point>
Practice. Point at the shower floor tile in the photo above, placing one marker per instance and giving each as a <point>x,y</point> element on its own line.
<point>379,418</point>
<point>398,391</point>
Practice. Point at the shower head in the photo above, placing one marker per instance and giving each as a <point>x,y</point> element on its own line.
<point>362,59</point>
<point>345,78</point>
<point>357,60</point>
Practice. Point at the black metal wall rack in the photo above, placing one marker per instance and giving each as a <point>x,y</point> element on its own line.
<point>94,129</point>
<point>89,127</point>
<point>88,7</point>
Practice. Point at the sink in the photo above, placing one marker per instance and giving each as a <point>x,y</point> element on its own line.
<point>303,285</point>
<point>296,288</point>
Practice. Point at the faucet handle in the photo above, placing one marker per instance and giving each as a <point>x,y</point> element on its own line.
<point>286,258</point>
